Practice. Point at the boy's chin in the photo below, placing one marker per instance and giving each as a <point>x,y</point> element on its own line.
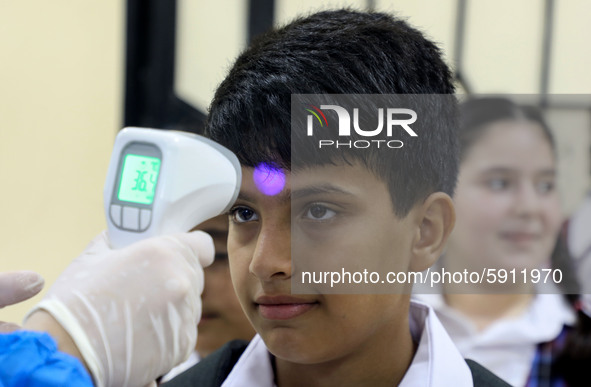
<point>289,345</point>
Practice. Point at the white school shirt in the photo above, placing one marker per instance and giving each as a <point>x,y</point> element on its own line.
<point>437,362</point>
<point>506,347</point>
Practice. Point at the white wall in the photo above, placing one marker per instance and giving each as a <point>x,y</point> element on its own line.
<point>60,107</point>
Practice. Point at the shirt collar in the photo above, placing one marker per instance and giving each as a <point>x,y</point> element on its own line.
<point>507,346</point>
<point>437,362</point>
<point>253,369</point>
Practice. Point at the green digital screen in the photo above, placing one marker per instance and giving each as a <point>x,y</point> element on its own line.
<point>139,176</point>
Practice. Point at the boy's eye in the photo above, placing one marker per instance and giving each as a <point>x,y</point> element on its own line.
<point>243,215</point>
<point>319,212</point>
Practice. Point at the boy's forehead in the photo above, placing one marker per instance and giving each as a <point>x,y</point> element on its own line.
<point>340,178</point>
<point>257,184</point>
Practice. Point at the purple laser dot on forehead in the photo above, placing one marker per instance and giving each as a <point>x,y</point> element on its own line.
<point>269,179</point>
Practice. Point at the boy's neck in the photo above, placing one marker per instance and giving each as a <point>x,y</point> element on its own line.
<point>484,309</point>
<point>381,362</point>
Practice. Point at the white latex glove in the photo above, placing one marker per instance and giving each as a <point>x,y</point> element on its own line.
<point>132,312</point>
<point>17,286</point>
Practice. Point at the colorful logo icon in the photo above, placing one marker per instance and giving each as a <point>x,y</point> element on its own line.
<point>315,111</point>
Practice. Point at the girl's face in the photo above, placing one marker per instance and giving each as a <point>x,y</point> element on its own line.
<point>507,206</point>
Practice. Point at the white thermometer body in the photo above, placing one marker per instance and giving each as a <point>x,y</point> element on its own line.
<point>163,182</point>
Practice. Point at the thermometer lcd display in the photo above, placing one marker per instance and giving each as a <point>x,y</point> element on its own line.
<point>139,176</point>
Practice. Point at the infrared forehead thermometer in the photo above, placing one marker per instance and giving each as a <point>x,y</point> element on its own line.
<point>163,182</point>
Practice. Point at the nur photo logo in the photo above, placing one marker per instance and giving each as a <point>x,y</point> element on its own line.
<point>390,121</point>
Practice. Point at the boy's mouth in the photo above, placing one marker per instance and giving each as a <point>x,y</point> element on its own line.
<point>283,307</point>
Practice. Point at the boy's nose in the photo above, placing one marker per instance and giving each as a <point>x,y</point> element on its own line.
<point>272,256</point>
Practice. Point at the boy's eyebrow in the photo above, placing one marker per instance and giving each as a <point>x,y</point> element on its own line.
<point>325,188</point>
<point>247,197</point>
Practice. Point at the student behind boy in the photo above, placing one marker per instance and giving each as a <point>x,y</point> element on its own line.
<point>222,318</point>
<point>509,218</point>
<point>366,205</point>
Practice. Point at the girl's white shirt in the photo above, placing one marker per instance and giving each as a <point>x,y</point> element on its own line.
<point>507,347</point>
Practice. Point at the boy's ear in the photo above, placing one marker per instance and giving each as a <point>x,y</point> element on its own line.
<point>435,218</point>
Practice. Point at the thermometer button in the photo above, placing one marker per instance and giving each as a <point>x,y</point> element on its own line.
<point>116,214</point>
<point>145,218</point>
<point>131,218</point>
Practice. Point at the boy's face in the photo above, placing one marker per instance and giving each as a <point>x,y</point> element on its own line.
<point>343,213</point>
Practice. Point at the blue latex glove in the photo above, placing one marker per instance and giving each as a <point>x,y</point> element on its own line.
<point>32,359</point>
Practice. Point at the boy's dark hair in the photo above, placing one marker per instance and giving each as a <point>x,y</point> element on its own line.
<point>341,52</point>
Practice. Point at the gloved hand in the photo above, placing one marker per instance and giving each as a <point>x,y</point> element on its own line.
<point>132,312</point>
<point>15,287</point>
